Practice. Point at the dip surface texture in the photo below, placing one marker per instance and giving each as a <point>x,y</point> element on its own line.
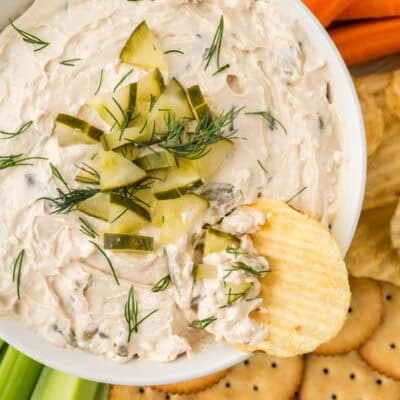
<point>67,291</point>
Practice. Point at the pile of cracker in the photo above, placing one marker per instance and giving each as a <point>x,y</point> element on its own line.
<point>363,361</point>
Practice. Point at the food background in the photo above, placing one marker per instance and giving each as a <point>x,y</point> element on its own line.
<point>363,361</point>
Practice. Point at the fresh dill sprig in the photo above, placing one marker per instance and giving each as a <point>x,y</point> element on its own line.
<point>71,62</point>
<point>162,284</point>
<point>121,81</point>
<point>262,167</point>
<point>240,266</point>
<point>174,51</point>
<point>109,262</point>
<point>87,229</point>
<point>234,251</point>
<point>17,269</point>
<point>23,128</point>
<point>233,297</point>
<point>125,118</point>
<point>206,133</point>
<point>86,168</point>
<point>202,323</point>
<point>132,314</point>
<point>31,39</point>
<point>17,160</point>
<point>65,202</point>
<point>100,82</point>
<point>216,44</point>
<point>152,103</point>
<point>273,123</point>
<point>57,174</point>
<point>300,192</point>
<point>221,69</point>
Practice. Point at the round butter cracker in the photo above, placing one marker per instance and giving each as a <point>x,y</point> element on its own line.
<point>306,294</point>
<point>142,393</point>
<point>193,386</point>
<point>345,377</point>
<point>364,316</point>
<point>259,378</point>
<point>382,350</point>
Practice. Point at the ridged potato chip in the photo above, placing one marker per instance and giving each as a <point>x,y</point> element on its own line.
<point>345,377</point>
<point>395,229</point>
<point>374,84</point>
<point>364,316</point>
<point>193,386</point>
<point>382,350</point>
<point>392,94</point>
<point>261,377</point>
<point>371,254</point>
<point>383,180</point>
<point>306,294</point>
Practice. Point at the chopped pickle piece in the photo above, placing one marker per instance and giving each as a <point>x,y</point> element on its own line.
<point>116,108</point>
<point>208,165</point>
<point>217,241</point>
<point>179,181</point>
<point>88,171</point>
<point>179,215</point>
<point>116,171</point>
<point>155,158</point>
<point>131,135</point>
<point>122,242</point>
<point>97,206</point>
<point>205,271</point>
<point>172,106</point>
<point>199,105</point>
<point>131,205</point>
<point>129,151</point>
<point>143,49</point>
<point>70,130</point>
<point>150,86</point>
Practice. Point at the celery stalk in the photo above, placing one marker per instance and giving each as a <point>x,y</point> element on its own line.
<point>1,343</point>
<point>103,392</point>
<point>18,375</point>
<point>57,385</point>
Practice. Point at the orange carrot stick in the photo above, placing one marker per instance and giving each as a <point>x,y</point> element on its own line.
<point>363,9</point>
<point>327,10</point>
<point>366,41</point>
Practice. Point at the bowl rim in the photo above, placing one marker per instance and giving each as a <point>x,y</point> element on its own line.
<point>216,357</point>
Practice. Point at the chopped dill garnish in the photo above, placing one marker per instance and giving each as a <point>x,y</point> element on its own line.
<point>162,284</point>
<point>17,269</point>
<point>125,118</point>
<point>121,81</point>
<point>240,266</point>
<point>273,123</point>
<point>300,192</point>
<point>71,62</point>
<point>221,69</point>
<point>216,44</point>
<point>109,262</point>
<point>31,39</point>
<point>232,297</point>
<point>262,167</point>
<point>152,103</point>
<point>132,314</point>
<point>86,168</point>
<point>57,174</point>
<point>234,251</point>
<point>87,229</point>
<point>17,160</point>
<point>202,323</point>
<point>23,128</point>
<point>206,133</point>
<point>174,51</point>
<point>100,82</point>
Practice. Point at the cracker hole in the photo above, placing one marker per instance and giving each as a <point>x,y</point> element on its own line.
<point>379,381</point>
<point>393,345</point>
<point>389,297</point>
<point>350,310</point>
<point>334,397</point>
<point>255,388</point>
<point>274,365</point>
<point>352,376</point>
<point>247,362</point>
<point>325,371</point>
<point>167,397</point>
<point>227,385</point>
<point>141,390</point>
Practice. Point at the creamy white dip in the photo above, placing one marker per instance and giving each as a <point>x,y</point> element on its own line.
<point>68,294</point>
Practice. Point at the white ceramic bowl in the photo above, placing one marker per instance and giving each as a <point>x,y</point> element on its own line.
<point>217,357</point>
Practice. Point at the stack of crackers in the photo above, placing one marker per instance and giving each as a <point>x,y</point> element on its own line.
<point>362,360</point>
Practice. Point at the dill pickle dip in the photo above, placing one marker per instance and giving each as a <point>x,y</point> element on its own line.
<point>123,233</point>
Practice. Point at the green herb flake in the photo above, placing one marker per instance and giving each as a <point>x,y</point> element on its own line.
<point>22,128</point>
<point>17,269</point>
<point>31,39</point>
<point>273,123</point>
<point>202,323</point>
<point>162,284</point>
